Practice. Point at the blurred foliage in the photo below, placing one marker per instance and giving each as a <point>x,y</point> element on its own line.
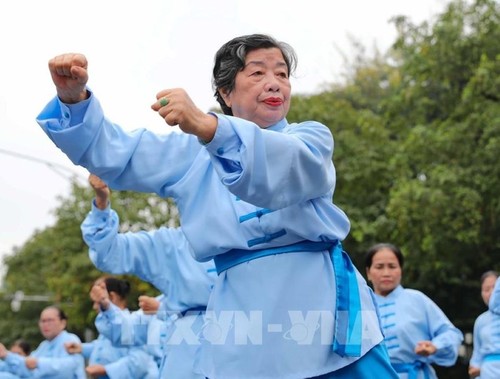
<point>417,135</point>
<point>55,263</point>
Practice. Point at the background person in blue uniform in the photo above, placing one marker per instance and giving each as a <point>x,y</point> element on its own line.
<point>163,258</point>
<point>50,359</point>
<point>482,332</point>
<point>417,332</point>
<point>139,363</point>
<point>255,194</point>
<point>20,347</point>
<point>490,368</point>
<point>104,360</point>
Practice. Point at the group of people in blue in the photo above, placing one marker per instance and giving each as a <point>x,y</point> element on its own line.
<point>50,359</point>
<point>255,282</point>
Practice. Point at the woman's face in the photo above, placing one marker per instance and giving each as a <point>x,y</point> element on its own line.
<point>51,324</point>
<point>262,89</point>
<point>384,272</point>
<point>487,288</point>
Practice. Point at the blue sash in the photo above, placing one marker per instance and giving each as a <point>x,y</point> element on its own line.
<point>191,311</point>
<point>348,325</point>
<point>412,369</point>
<point>491,357</point>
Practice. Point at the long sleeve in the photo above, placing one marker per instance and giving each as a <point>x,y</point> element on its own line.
<point>287,168</point>
<point>137,364</point>
<point>87,348</point>
<point>81,131</point>
<point>446,337</point>
<point>128,330</point>
<point>408,317</point>
<point>14,364</point>
<point>123,328</point>
<point>266,201</point>
<point>482,339</point>
<point>161,257</point>
<point>53,360</point>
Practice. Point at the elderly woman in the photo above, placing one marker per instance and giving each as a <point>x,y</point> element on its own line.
<point>255,194</point>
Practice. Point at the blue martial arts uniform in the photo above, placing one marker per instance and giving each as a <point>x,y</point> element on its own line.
<point>163,258</point>
<point>300,309</point>
<point>408,316</point>
<point>482,339</point>
<point>490,369</point>
<point>53,361</point>
<point>119,362</point>
<point>7,368</point>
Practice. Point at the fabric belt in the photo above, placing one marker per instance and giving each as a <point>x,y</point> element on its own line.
<point>412,369</point>
<point>193,310</point>
<point>491,357</point>
<point>348,323</point>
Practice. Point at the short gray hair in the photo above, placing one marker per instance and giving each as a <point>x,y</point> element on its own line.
<point>230,59</point>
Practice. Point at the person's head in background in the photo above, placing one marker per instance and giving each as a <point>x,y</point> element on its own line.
<point>52,322</point>
<point>117,289</point>
<point>384,267</point>
<point>21,347</point>
<point>488,280</point>
<point>251,78</point>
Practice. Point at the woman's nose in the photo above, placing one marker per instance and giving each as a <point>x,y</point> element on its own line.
<point>272,83</point>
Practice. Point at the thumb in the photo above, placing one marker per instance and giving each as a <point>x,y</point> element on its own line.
<point>80,74</point>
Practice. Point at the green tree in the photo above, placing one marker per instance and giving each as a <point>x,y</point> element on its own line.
<point>54,262</point>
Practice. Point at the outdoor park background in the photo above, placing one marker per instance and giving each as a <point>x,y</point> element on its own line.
<point>417,137</point>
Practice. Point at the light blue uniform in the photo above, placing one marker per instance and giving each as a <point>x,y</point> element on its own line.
<point>7,374</point>
<point>490,369</point>
<point>163,258</point>
<point>248,189</point>
<point>408,316</point>
<point>173,343</point>
<point>119,362</point>
<point>7,369</point>
<point>53,361</point>
<point>482,341</point>
<point>130,362</point>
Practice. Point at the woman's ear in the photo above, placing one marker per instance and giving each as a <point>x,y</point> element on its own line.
<point>225,94</point>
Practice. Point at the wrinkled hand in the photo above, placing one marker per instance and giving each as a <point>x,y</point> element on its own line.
<point>101,190</point>
<point>31,363</point>
<point>96,370</point>
<point>70,76</point>
<point>148,304</point>
<point>99,294</point>
<point>425,348</point>
<point>73,347</point>
<point>181,111</point>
